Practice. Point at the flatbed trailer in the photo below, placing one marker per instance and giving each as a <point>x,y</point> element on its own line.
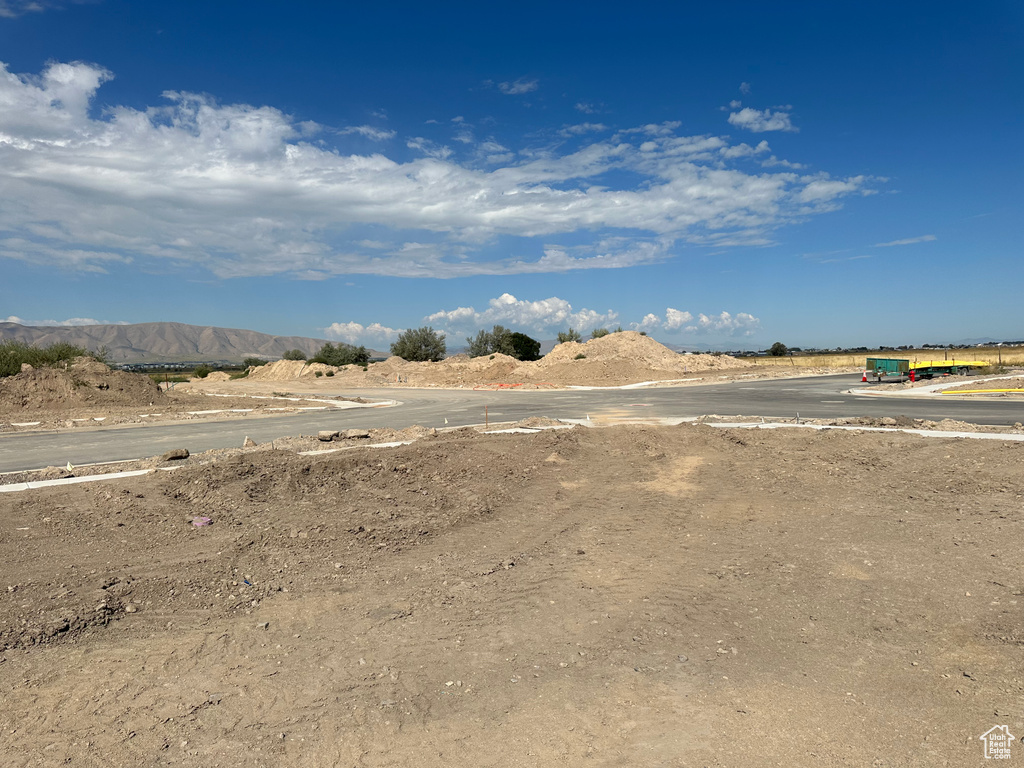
<point>927,369</point>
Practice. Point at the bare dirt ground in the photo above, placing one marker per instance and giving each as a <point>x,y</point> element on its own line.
<point>631,596</point>
<point>88,394</point>
<point>1014,383</point>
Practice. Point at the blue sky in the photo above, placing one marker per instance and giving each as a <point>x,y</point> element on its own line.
<point>818,173</point>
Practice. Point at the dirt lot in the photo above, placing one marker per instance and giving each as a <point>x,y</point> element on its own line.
<point>88,394</point>
<point>629,596</point>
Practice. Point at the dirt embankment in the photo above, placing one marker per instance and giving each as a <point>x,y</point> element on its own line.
<point>84,382</point>
<point>616,359</point>
<point>641,596</point>
<point>88,393</point>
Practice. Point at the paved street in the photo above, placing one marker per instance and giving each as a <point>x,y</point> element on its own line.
<point>813,397</point>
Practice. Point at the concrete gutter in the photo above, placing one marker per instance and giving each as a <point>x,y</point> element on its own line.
<point>34,484</point>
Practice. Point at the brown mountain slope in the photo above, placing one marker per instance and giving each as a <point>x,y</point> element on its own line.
<point>159,342</point>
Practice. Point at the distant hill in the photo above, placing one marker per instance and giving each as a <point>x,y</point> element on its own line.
<point>166,342</point>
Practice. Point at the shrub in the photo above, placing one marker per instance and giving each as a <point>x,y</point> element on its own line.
<point>318,374</point>
<point>597,333</point>
<point>330,373</point>
<point>240,374</point>
<point>14,353</point>
<point>420,345</point>
<point>202,371</point>
<point>294,354</point>
<point>254,362</point>
<point>570,335</point>
<point>580,356</point>
<point>341,354</point>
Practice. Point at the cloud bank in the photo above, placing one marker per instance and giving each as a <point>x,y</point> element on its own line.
<point>240,190</point>
<point>545,317</point>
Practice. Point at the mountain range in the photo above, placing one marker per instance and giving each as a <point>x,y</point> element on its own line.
<point>166,342</point>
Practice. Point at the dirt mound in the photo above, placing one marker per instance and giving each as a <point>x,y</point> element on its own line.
<point>218,376</point>
<point>279,370</point>
<point>619,358</point>
<point>84,382</point>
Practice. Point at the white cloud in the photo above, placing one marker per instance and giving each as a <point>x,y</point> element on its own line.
<point>676,319</point>
<point>741,324</point>
<point>12,9</point>
<point>582,128</point>
<point>743,150</point>
<point>774,162</point>
<point>539,316</point>
<point>760,121</point>
<point>356,333</point>
<point>654,129</point>
<point>374,134</point>
<point>745,88</point>
<point>681,321</point>
<point>240,190</point>
<point>585,108</point>
<point>823,189</point>
<point>429,148</point>
<point>518,87</point>
<point>908,241</point>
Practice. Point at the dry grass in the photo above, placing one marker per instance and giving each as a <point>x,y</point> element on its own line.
<point>994,355</point>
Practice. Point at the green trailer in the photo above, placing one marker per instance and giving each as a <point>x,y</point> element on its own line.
<point>888,366</point>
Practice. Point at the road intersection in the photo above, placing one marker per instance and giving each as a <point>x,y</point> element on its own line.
<point>817,397</point>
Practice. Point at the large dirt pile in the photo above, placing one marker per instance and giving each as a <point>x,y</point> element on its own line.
<point>619,358</point>
<point>279,370</point>
<point>84,382</point>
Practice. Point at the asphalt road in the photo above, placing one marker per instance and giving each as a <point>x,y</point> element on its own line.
<point>815,397</point>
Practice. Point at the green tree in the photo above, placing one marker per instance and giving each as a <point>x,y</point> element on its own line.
<point>597,333</point>
<point>524,347</point>
<point>570,335</point>
<point>496,341</point>
<point>253,362</point>
<point>341,354</point>
<point>778,349</point>
<point>202,371</point>
<point>294,354</point>
<point>480,344</point>
<point>420,344</point>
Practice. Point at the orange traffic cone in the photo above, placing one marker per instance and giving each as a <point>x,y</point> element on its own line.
<point>864,376</point>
